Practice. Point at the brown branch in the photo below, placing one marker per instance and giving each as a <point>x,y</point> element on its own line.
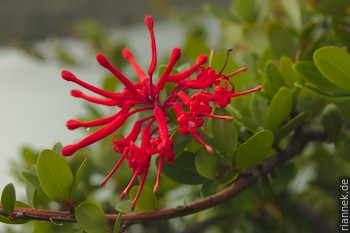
<point>298,141</point>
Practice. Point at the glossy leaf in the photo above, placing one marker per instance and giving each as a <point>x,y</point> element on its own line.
<point>334,64</point>
<point>225,134</point>
<point>77,178</point>
<point>254,150</point>
<point>205,163</point>
<point>92,218</point>
<point>279,109</point>
<point>183,170</point>
<point>8,198</point>
<point>54,175</point>
<point>147,201</point>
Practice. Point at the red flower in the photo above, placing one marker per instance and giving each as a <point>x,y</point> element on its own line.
<point>154,130</point>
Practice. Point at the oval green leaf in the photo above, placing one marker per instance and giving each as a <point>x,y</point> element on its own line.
<point>225,135</point>
<point>334,64</point>
<point>205,163</point>
<point>8,198</point>
<point>279,109</point>
<point>54,175</point>
<point>183,170</point>
<point>254,150</point>
<point>92,218</point>
<point>332,120</point>
<point>147,200</point>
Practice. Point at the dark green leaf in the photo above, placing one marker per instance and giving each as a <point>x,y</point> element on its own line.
<point>54,175</point>
<point>229,176</point>
<point>183,170</point>
<point>258,108</point>
<point>205,163</point>
<point>180,141</point>
<point>225,135</point>
<point>279,109</point>
<point>334,64</point>
<point>254,150</point>
<point>92,218</point>
<point>8,198</point>
<point>274,79</point>
<point>77,178</point>
<point>147,200</point>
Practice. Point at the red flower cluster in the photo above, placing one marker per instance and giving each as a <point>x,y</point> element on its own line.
<point>145,96</point>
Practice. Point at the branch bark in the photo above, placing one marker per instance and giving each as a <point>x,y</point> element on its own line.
<point>298,142</point>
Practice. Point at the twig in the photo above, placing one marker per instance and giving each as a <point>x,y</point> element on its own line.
<point>298,141</point>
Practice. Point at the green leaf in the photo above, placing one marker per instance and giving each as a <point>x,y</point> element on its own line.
<point>147,200</point>
<point>288,72</point>
<point>334,64</point>
<point>8,198</point>
<point>279,109</point>
<point>92,218</point>
<point>286,129</point>
<point>110,83</point>
<point>310,72</point>
<point>77,178</point>
<point>229,176</point>
<point>180,141</point>
<point>6,220</point>
<point>340,97</point>
<point>124,206</point>
<point>205,163</point>
<point>254,150</point>
<point>225,134</point>
<point>258,108</point>
<point>209,188</point>
<point>57,148</point>
<point>54,175</point>
<point>31,179</point>
<point>118,223</point>
<point>183,170</point>
<point>332,120</point>
<point>274,78</point>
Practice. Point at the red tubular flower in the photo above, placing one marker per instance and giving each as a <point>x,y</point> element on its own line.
<point>153,131</point>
